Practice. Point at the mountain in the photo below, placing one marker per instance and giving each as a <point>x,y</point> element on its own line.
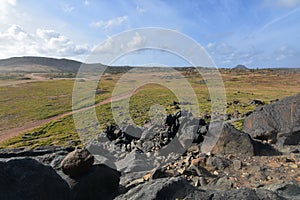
<point>39,64</point>
<point>240,67</point>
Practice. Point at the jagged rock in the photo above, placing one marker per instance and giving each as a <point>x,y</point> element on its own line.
<point>133,131</point>
<point>268,195</point>
<point>46,155</point>
<point>159,189</point>
<point>278,122</point>
<point>197,171</point>
<point>113,132</point>
<point>40,151</point>
<point>241,194</point>
<point>131,177</point>
<point>233,141</point>
<point>77,162</point>
<point>200,194</point>
<point>222,183</point>
<point>101,182</point>
<point>26,178</point>
<point>134,162</point>
<point>256,102</point>
<point>286,190</point>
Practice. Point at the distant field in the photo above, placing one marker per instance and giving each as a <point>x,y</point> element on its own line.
<point>39,100</point>
<point>25,102</point>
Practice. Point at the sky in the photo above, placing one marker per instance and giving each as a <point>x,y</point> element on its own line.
<point>255,33</point>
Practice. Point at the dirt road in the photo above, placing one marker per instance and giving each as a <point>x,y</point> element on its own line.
<point>7,134</point>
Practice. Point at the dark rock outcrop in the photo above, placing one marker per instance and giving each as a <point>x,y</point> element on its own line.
<point>235,142</point>
<point>26,178</point>
<point>47,155</point>
<point>164,188</point>
<point>278,122</point>
<point>241,194</point>
<point>101,182</point>
<point>36,178</point>
<point>286,190</point>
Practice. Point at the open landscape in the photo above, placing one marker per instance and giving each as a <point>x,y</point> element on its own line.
<point>151,100</point>
<point>37,121</point>
<point>43,116</point>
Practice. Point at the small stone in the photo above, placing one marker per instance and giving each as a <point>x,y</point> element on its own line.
<point>199,161</point>
<point>197,183</point>
<point>187,160</point>
<point>294,166</point>
<point>77,162</point>
<point>216,173</point>
<point>202,181</point>
<point>194,149</point>
<point>181,171</point>
<point>237,165</point>
<point>289,160</point>
<point>147,176</point>
<point>297,179</point>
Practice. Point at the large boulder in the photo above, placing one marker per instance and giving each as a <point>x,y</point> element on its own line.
<point>232,141</point>
<point>48,155</point>
<point>278,122</point>
<point>164,188</point>
<point>235,142</point>
<point>286,190</point>
<point>134,162</point>
<point>26,178</point>
<point>77,162</point>
<point>101,182</point>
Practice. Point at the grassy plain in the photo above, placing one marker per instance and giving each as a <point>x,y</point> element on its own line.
<point>38,100</point>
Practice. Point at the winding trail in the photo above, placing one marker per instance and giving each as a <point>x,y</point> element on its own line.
<point>10,133</point>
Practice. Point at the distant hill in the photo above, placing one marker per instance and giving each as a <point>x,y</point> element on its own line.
<point>40,64</point>
<point>240,67</point>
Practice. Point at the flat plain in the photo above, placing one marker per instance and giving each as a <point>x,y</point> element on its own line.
<point>26,99</point>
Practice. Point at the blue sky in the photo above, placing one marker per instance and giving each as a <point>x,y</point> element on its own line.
<point>255,33</point>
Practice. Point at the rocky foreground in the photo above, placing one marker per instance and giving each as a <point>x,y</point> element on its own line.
<point>167,162</point>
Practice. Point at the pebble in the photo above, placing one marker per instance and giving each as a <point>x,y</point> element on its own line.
<point>294,166</point>
<point>237,165</point>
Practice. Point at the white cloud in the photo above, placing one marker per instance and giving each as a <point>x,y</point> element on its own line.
<point>47,34</point>
<point>5,8</point>
<point>137,41</point>
<point>17,42</point>
<point>210,45</point>
<point>223,48</point>
<point>284,52</point>
<point>86,2</point>
<point>105,25</point>
<point>68,8</point>
<point>128,43</point>
<point>288,3</point>
<point>140,9</point>
<point>282,3</point>
<point>115,47</point>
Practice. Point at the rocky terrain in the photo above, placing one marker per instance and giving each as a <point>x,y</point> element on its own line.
<point>167,161</point>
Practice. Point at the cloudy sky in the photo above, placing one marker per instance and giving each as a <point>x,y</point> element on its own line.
<point>263,33</point>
